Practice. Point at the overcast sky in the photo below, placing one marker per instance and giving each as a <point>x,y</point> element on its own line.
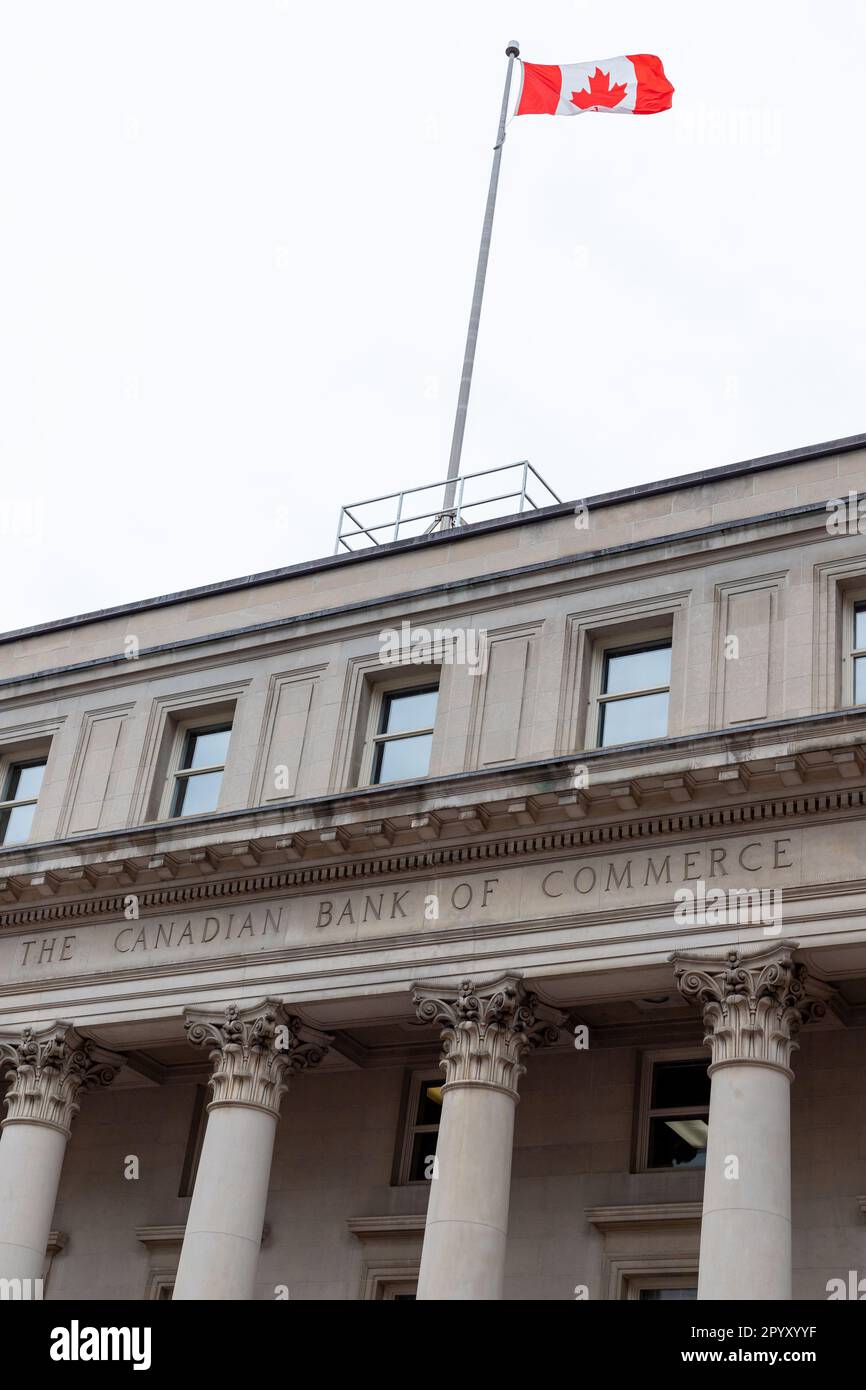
<point>238,242</point>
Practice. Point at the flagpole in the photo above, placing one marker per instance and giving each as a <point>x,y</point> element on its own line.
<point>513,51</point>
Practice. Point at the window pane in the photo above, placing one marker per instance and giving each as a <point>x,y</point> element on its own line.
<point>680,1085</point>
<point>16,828</point>
<point>631,721</point>
<point>405,757</point>
<point>637,670</point>
<point>860,628</point>
<point>423,1150</point>
<point>430,1103</point>
<point>26,782</point>
<point>678,1143</point>
<point>198,794</point>
<point>208,749</point>
<point>416,709</point>
<point>665,1295</point>
<point>860,680</point>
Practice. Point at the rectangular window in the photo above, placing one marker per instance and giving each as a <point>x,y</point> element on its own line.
<point>858,655</point>
<point>635,689</point>
<point>17,809</point>
<point>199,777</point>
<point>421,1132</point>
<point>404,735</point>
<point>675,1105</point>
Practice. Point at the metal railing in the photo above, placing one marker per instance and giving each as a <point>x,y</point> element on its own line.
<point>441,515</point>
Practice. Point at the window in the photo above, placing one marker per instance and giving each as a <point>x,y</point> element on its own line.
<point>635,689</point>
<point>23,782</point>
<point>675,1109</point>
<point>858,656</point>
<point>421,1131</point>
<point>198,779</point>
<point>665,1295</point>
<point>404,737</point>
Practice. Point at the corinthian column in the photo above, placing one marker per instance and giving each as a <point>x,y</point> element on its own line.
<point>754,1004</point>
<point>486,1032</point>
<point>254,1053</point>
<point>48,1069</point>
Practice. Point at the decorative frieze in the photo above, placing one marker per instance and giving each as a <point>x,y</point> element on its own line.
<point>254,1051</point>
<point>754,1002</point>
<point>486,1029</point>
<point>48,1069</point>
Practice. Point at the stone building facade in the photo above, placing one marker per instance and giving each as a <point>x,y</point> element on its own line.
<point>308,878</point>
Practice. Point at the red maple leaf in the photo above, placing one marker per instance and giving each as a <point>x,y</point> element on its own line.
<point>600,93</point>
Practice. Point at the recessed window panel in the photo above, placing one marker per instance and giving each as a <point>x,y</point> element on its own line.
<point>208,749</point>
<point>643,670</point>
<point>680,1085</point>
<point>198,794</point>
<point>678,1142</point>
<point>634,720</point>
<point>411,709</point>
<point>860,680</point>
<point>860,629</point>
<point>403,758</point>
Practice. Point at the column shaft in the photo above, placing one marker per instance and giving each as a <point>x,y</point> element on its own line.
<point>746,1223</point>
<point>467,1219</point>
<point>31,1160</point>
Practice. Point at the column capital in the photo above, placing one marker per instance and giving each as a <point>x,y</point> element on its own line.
<point>754,1002</point>
<point>254,1051</point>
<point>49,1067</point>
<point>486,1028</point>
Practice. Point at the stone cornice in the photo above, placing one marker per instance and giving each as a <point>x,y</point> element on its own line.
<point>189,878</point>
<point>646,1216</point>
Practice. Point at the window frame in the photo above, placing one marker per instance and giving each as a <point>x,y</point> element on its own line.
<point>409,1128</point>
<point>177,773</point>
<point>12,765</point>
<point>856,603</point>
<point>381,691</point>
<point>600,699</point>
<point>634,1284</point>
<point>647,1112</point>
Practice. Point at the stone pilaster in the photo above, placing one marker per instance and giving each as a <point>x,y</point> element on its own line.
<point>487,1031</point>
<point>49,1069</point>
<point>254,1051</point>
<point>754,1003</point>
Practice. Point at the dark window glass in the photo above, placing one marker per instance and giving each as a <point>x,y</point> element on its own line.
<point>198,794</point>
<point>678,1143</point>
<point>643,670</point>
<point>429,1103</point>
<point>208,748</point>
<point>402,758</point>
<point>860,628</point>
<point>631,721</point>
<point>680,1085</point>
<point>423,1151</point>
<point>411,709</point>
<point>25,782</point>
<point>666,1295</point>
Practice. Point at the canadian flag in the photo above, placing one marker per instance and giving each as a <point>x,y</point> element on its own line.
<point>635,84</point>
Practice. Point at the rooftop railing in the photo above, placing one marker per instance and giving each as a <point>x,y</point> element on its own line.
<point>454,502</point>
